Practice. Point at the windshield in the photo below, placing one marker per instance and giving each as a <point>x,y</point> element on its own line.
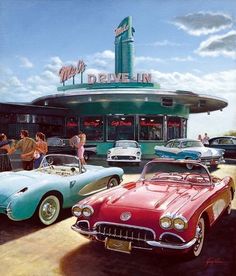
<point>60,160</point>
<point>126,144</point>
<point>188,144</point>
<point>182,172</point>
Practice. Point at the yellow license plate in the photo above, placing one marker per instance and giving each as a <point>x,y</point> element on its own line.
<point>118,245</point>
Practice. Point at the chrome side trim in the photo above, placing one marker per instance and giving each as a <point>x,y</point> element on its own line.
<point>172,246</point>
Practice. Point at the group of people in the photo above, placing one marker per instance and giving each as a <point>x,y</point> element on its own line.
<point>32,151</point>
<point>204,139</point>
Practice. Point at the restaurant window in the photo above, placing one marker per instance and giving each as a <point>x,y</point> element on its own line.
<point>92,126</point>
<point>71,126</point>
<point>150,128</point>
<point>173,128</point>
<point>120,127</point>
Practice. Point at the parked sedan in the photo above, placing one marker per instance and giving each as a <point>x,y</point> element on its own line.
<point>127,151</point>
<point>228,143</point>
<point>190,149</point>
<point>169,208</point>
<point>59,183</point>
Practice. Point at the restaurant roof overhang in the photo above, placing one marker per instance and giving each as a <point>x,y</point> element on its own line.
<point>197,103</point>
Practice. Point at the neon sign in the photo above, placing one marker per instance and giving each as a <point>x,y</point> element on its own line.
<point>67,72</point>
<point>121,123</point>
<point>121,30</point>
<point>150,124</point>
<point>120,77</point>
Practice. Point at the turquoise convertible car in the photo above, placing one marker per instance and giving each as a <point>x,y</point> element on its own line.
<point>59,183</point>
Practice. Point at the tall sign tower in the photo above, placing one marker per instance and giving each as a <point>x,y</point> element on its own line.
<point>124,47</point>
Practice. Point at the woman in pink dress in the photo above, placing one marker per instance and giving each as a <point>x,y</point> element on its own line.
<point>82,141</point>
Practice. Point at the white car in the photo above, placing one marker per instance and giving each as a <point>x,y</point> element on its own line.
<point>128,151</point>
<point>190,149</point>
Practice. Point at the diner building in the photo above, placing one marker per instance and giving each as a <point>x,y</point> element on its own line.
<point>109,107</point>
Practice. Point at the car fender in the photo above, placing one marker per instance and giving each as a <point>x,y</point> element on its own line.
<point>23,205</point>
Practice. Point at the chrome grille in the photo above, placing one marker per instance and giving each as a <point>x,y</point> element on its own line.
<point>138,236</point>
<point>123,157</point>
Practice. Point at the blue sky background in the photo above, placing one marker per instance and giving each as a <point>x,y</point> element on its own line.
<point>185,44</point>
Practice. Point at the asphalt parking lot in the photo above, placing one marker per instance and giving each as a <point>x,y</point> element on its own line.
<point>28,249</point>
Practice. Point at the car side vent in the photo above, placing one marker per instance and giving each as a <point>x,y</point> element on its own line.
<point>167,102</point>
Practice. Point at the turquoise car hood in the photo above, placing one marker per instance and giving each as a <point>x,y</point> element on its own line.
<point>13,182</point>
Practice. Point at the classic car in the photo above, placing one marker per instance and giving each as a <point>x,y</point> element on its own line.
<point>190,149</point>
<point>168,209</point>
<point>58,183</point>
<point>124,151</point>
<point>62,146</point>
<point>228,143</point>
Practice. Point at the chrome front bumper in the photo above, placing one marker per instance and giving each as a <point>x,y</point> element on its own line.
<point>153,244</point>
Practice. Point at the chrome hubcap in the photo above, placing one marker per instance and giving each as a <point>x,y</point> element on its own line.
<point>48,209</point>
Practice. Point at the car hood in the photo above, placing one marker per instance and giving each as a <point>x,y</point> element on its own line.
<point>13,182</point>
<point>124,151</point>
<point>165,197</point>
<point>205,151</point>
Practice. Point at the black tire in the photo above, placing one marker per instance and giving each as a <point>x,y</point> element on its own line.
<point>189,166</point>
<point>112,182</point>
<point>48,210</point>
<point>197,247</point>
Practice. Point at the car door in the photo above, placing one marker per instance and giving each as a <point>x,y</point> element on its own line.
<point>172,149</point>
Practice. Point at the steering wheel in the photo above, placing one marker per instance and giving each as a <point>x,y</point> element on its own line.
<point>196,178</point>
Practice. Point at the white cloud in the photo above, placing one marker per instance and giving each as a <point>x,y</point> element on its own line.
<point>183,59</point>
<point>25,62</point>
<point>55,65</point>
<point>161,43</point>
<point>203,23</point>
<point>219,45</point>
<point>102,60</point>
<point>221,84</point>
<point>147,59</point>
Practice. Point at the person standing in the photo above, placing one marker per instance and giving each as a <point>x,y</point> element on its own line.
<point>82,141</point>
<point>27,147</point>
<point>41,149</point>
<point>74,142</point>
<point>205,139</point>
<point>5,163</point>
<point>199,137</point>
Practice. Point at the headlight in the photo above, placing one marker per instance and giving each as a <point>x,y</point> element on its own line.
<point>180,223</point>
<point>87,211</point>
<point>77,211</point>
<point>166,222</point>
<point>138,153</point>
<point>109,152</point>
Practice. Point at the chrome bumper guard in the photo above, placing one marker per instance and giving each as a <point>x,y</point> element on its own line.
<point>153,244</point>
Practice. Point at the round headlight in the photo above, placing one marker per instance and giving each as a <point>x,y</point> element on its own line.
<point>109,152</point>
<point>87,211</point>
<point>166,222</point>
<point>76,211</point>
<point>179,223</point>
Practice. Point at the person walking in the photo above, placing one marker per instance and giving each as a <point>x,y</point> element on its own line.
<point>41,149</point>
<point>27,147</point>
<point>5,162</point>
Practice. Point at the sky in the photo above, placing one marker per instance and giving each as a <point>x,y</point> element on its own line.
<point>184,44</point>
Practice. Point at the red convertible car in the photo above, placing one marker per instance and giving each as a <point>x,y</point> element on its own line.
<point>170,208</point>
